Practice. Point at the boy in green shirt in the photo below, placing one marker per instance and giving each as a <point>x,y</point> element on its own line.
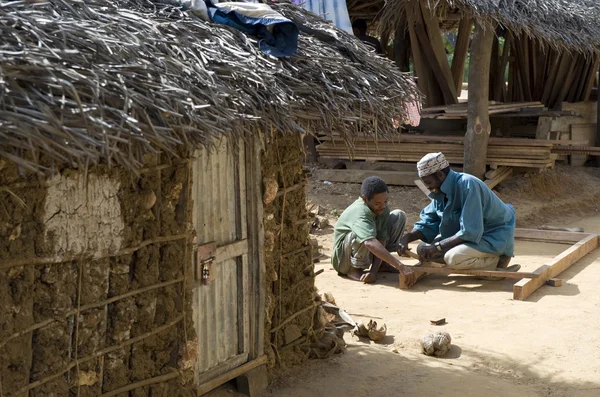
<point>366,233</point>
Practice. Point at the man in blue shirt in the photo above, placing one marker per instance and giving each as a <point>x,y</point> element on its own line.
<point>466,226</point>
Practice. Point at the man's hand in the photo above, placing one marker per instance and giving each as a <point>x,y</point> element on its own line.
<point>410,276</point>
<point>427,253</point>
<point>403,246</point>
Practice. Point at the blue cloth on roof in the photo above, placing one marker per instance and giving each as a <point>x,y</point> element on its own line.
<point>278,35</point>
<point>468,209</point>
<point>335,11</point>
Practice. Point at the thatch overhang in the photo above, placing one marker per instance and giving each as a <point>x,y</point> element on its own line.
<point>570,25</point>
<point>88,82</point>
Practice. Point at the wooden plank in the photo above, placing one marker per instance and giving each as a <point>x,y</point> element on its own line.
<point>447,87</point>
<point>561,76</point>
<point>232,374</point>
<point>422,186</point>
<point>566,85</point>
<point>436,42</point>
<point>474,272</point>
<point>500,89</point>
<point>494,173</point>
<point>551,80</point>
<point>591,80</point>
<point>579,75</point>
<point>232,250</point>
<point>424,74</point>
<point>525,288</point>
<point>385,166</point>
<point>452,160</point>
<point>549,236</point>
<point>418,276</point>
<point>461,51</point>
<point>258,262</point>
<point>394,178</point>
<point>542,65</point>
<point>492,183</point>
<point>430,49</point>
<point>583,80</point>
<point>459,139</point>
<point>521,73</point>
<point>554,282</point>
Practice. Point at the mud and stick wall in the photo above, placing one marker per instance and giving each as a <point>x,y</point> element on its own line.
<point>290,290</point>
<point>95,282</point>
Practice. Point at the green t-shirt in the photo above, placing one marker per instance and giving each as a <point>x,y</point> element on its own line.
<point>365,224</point>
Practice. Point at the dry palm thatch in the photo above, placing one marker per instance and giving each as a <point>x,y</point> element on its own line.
<point>570,25</point>
<point>94,81</point>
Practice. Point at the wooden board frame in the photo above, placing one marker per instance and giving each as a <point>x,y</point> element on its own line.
<point>581,244</point>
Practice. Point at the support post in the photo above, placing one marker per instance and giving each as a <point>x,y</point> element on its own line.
<point>478,122</point>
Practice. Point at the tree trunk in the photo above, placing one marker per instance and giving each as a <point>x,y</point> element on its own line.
<point>478,123</point>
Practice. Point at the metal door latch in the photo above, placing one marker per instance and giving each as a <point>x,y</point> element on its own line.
<point>205,266</point>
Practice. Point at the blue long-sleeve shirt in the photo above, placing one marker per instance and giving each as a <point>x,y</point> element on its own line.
<point>468,209</point>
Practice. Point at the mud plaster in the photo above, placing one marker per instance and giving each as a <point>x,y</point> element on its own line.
<point>30,294</point>
<point>287,150</point>
<point>83,216</point>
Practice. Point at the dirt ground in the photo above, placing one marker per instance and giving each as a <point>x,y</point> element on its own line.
<point>545,346</point>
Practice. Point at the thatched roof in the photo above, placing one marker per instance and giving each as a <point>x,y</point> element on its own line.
<point>562,24</point>
<point>85,82</point>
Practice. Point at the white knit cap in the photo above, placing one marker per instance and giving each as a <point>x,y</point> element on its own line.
<point>432,163</point>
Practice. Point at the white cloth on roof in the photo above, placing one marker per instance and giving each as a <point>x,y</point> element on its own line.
<point>335,11</point>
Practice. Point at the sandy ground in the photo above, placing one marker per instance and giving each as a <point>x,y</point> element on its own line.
<point>546,346</point>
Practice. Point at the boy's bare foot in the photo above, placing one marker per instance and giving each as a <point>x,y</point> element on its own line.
<point>355,274</point>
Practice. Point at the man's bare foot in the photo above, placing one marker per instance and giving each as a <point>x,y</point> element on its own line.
<point>355,274</point>
<point>369,278</point>
<point>503,262</point>
<point>387,268</point>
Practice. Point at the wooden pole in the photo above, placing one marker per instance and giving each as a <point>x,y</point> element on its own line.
<point>460,52</point>
<point>478,121</point>
<point>401,47</point>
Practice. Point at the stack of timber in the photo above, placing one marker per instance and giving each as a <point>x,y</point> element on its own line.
<point>496,110</point>
<point>512,152</point>
<point>527,70</point>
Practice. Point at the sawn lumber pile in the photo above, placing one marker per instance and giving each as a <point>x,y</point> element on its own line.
<point>496,109</point>
<point>514,152</point>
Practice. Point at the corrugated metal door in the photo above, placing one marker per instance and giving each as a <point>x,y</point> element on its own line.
<point>221,311</point>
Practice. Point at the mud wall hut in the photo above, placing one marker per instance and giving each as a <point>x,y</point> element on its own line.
<point>153,230</point>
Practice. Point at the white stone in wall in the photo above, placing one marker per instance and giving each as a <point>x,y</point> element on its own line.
<point>84,218</point>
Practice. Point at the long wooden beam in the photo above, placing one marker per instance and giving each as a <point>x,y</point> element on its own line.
<point>526,287</point>
<point>234,373</point>
<point>475,272</point>
<point>549,236</point>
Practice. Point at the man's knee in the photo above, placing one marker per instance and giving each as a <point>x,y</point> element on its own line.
<point>397,216</point>
<point>456,259</point>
